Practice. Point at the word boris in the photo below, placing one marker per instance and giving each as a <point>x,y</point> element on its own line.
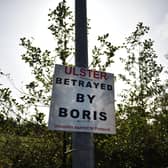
<point>88,73</point>
<point>84,114</point>
<point>82,83</point>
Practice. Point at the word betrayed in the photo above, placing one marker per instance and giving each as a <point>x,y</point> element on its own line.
<point>82,83</point>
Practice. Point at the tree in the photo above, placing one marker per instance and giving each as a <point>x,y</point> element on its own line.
<point>138,142</point>
<point>36,95</point>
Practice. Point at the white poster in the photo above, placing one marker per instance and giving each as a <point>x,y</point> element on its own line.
<point>82,101</point>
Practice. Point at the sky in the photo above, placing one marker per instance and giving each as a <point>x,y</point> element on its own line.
<point>28,18</point>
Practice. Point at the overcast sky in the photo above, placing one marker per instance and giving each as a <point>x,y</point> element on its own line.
<point>28,18</point>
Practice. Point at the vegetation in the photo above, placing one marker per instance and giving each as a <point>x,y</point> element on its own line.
<point>141,115</point>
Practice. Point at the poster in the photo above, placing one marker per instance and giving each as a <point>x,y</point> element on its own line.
<point>82,101</point>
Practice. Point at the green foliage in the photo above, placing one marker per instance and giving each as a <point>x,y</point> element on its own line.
<point>25,142</point>
<point>62,28</point>
<point>105,51</point>
<point>42,64</point>
<point>141,139</point>
<point>30,145</point>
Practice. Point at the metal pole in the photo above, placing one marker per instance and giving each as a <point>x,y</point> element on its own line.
<point>64,150</point>
<point>82,143</point>
<point>81,43</point>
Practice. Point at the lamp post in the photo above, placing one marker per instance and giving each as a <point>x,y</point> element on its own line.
<point>82,143</point>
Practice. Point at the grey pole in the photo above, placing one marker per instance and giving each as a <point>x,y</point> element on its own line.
<point>81,43</point>
<point>82,143</point>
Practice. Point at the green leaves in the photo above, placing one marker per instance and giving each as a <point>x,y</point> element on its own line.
<point>102,56</point>
<point>139,104</point>
<point>135,37</point>
<point>62,27</point>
